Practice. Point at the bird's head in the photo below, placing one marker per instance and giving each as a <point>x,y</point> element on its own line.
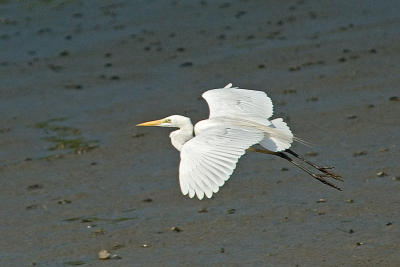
<point>171,121</point>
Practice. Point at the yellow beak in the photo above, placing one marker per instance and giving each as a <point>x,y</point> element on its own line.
<point>151,123</point>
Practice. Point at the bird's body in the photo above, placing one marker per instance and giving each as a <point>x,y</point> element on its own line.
<point>238,120</point>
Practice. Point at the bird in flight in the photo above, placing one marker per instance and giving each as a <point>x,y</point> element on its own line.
<point>238,120</point>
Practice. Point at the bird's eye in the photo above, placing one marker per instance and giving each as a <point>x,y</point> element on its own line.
<point>167,121</point>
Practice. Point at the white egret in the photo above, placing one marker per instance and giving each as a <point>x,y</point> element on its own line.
<point>238,120</point>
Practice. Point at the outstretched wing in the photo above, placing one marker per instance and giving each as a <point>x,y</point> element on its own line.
<point>208,160</point>
<point>248,104</point>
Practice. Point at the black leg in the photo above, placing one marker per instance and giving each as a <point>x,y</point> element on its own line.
<point>319,177</point>
<point>325,170</point>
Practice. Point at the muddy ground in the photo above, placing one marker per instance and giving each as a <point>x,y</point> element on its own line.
<point>77,176</point>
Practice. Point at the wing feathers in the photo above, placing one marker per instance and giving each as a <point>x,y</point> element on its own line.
<point>209,159</point>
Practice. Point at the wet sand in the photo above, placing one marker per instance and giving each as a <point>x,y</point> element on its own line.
<point>77,176</point>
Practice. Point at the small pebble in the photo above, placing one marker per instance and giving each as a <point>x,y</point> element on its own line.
<point>321,200</point>
<point>351,117</point>
<point>297,68</point>
<point>359,153</point>
<point>342,59</point>
<point>389,223</point>
<point>176,229</point>
<point>186,64</point>
<point>222,250</point>
<point>349,200</point>
<point>34,187</point>
<point>381,174</point>
<point>311,154</point>
<point>396,178</point>
<point>145,245</point>
<point>360,243</point>
<point>231,211</point>
<point>104,254</point>
<point>202,210</point>
<point>394,98</point>
<point>372,51</point>
<point>63,201</point>
<point>64,53</point>
<point>351,231</point>
<point>148,200</point>
<point>284,169</point>
<point>31,207</point>
<point>384,150</point>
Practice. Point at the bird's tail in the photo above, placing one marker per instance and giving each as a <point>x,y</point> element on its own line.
<point>278,137</point>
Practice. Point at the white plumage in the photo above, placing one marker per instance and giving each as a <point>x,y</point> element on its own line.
<point>238,120</point>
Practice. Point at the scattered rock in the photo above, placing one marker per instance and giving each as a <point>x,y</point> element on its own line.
<point>240,13</point>
<point>389,223</point>
<point>202,210</point>
<point>394,98</point>
<point>34,187</point>
<point>311,154</point>
<point>284,169</point>
<point>349,200</point>
<point>231,211</point>
<point>104,254</point>
<point>186,64</point>
<point>296,68</point>
<point>381,174</point>
<point>138,135</point>
<point>145,245</point>
<point>222,250</point>
<point>396,178</point>
<point>351,117</point>
<point>63,201</point>
<point>351,231</point>
<point>74,86</point>
<point>261,66</point>
<point>176,229</point>
<point>148,200</point>
<point>31,207</point>
<point>321,200</point>
<point>63,53</point>
<point>359,153</point>
<point>360,243</point>
<point>372,51</point>
<point>114,77</point>
<point>342,59</point>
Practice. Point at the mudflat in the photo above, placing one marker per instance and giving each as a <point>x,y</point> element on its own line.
<point>78,177</point>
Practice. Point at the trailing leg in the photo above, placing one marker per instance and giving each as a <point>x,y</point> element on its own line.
<point>319,177</point>
<point>321,169</point>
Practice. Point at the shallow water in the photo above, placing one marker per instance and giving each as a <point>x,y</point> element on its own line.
<point>77,176</point>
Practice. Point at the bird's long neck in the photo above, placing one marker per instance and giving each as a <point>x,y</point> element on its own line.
<point>181,136</point>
